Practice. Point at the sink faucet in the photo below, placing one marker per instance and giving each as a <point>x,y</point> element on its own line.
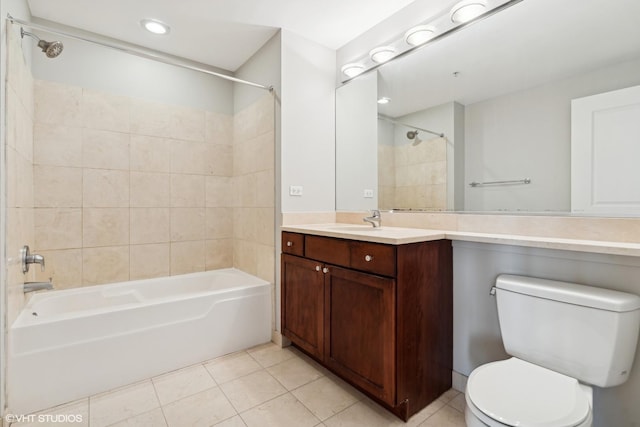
<point>375,219</point>
<point>37,286</point>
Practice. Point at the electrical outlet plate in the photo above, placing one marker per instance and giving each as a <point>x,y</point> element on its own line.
<point>295,190</point>
<point>368,194</point>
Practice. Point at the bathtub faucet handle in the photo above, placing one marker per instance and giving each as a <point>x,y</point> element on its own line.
<point>28,258</point>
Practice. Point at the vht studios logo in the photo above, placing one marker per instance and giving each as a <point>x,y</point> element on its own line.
<point>43,418</point>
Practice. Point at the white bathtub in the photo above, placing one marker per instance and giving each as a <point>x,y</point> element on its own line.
<point>70,344</point>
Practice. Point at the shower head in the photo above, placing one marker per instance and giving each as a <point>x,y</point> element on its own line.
<point>51,49</point>
<point>412,134</point>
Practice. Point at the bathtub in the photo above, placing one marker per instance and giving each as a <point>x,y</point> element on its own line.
<point>70,344</point>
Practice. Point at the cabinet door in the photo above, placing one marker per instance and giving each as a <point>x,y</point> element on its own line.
<point>303,303</point>
<point>360,321</point>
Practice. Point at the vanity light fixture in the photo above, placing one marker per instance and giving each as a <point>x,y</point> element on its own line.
<point>352,70</point>
<point>384,100</point>
<point>419,35</point>
<point>467,10</point>
<point>447,21</point>
<point>154,26</point>
<point>382,54</point>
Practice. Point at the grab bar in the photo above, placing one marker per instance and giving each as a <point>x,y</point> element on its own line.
<point>513,181</point>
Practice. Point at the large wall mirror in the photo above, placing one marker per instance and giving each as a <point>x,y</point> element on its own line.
<point>481,120</point>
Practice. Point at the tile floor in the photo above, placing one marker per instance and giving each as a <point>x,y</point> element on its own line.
<point>260,387</point>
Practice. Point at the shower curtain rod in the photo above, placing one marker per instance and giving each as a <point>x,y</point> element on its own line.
<point>395,122</point>
<point>137,51</point>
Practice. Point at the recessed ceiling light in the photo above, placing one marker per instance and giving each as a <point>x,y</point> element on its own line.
<point>384,100</point>
<point>467,10</point>
<point>418,35</point>
<point>352,70</point>
<point>382,54</point>
<point>154,26</point>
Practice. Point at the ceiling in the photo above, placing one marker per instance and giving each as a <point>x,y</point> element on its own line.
<point>221,33</point>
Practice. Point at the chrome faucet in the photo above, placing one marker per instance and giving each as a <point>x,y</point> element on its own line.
<point>28,258</point>
<point>375,219</point>
<point>37,286</point>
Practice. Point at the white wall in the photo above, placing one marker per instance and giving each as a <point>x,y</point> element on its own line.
<point>92,66</point>
<point>527,135</point>
<point>308,124</point>
<point>357,143</point>
<point>477,338</point>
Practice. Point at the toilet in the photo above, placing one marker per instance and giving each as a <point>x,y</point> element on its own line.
<point>564,338</point>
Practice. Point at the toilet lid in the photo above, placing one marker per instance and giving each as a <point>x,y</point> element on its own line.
<point>518,393</point>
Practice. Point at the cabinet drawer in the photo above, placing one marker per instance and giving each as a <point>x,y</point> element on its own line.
<point>327,249</point>
<point>293,243</point>
<point>373,257</point>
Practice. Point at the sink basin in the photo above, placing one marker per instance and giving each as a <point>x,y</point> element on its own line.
<point>355,228</point>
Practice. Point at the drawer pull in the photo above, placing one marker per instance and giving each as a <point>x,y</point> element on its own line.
<point>368,258</point>
<point>317,268</point>
<point>289,244</point>
<point>325,270</point>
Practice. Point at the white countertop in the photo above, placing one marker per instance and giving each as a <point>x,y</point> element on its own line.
<point>400,235</point>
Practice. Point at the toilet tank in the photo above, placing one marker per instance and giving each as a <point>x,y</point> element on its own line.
<point>581,331</point>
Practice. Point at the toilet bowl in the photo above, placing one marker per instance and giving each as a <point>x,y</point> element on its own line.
<point>563,337</point>
<point>514,392</point>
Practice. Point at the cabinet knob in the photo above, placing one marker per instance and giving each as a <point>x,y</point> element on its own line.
<point>325,270</point>
<point>289,244</point>
<point>368,258</point>
<point>317,268</point>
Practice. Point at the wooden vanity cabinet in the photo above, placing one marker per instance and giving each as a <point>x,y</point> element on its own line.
<point>380,316</point>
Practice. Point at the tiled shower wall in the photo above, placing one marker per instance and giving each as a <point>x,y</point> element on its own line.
<point>128,189</point>
<point>413,176</point>
<point>254,188</point>
<point>19,170</point>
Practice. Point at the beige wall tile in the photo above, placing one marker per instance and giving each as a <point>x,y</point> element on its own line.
<point>103,188</point>
<point>155,119</point>
<point>58,228</point>
<point>101,110</point>
<point>57,145</point>
<point>57,103</point>
<point>219,224</point>
<point>265,262</point>
<point>103,149</point>
<point>219,160</point>
<point>187,257</point>
<point>148,261</point>
<point>219,254</point>
<point>245,223</point>
<point>20,184</point>
<point>265,113</point>
<point>105,227</point>
<point>187,224</point>
<point>245,256</point>
<point>150,189</point>
<point>105,265</point>
<point>265,226</point>
<point>187,191</point>
<point>189,157</point>
<point>218,128</point>
<point>150,154</point>
<point>64,267</point>
<point>57,186</point>
<point>265,189</point>
<point>150,225</point>
<point>219,191</point>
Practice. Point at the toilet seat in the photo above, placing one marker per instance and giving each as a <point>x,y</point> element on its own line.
<point>517,393</point>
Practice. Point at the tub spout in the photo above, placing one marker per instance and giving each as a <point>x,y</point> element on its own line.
<point>37,286</point>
